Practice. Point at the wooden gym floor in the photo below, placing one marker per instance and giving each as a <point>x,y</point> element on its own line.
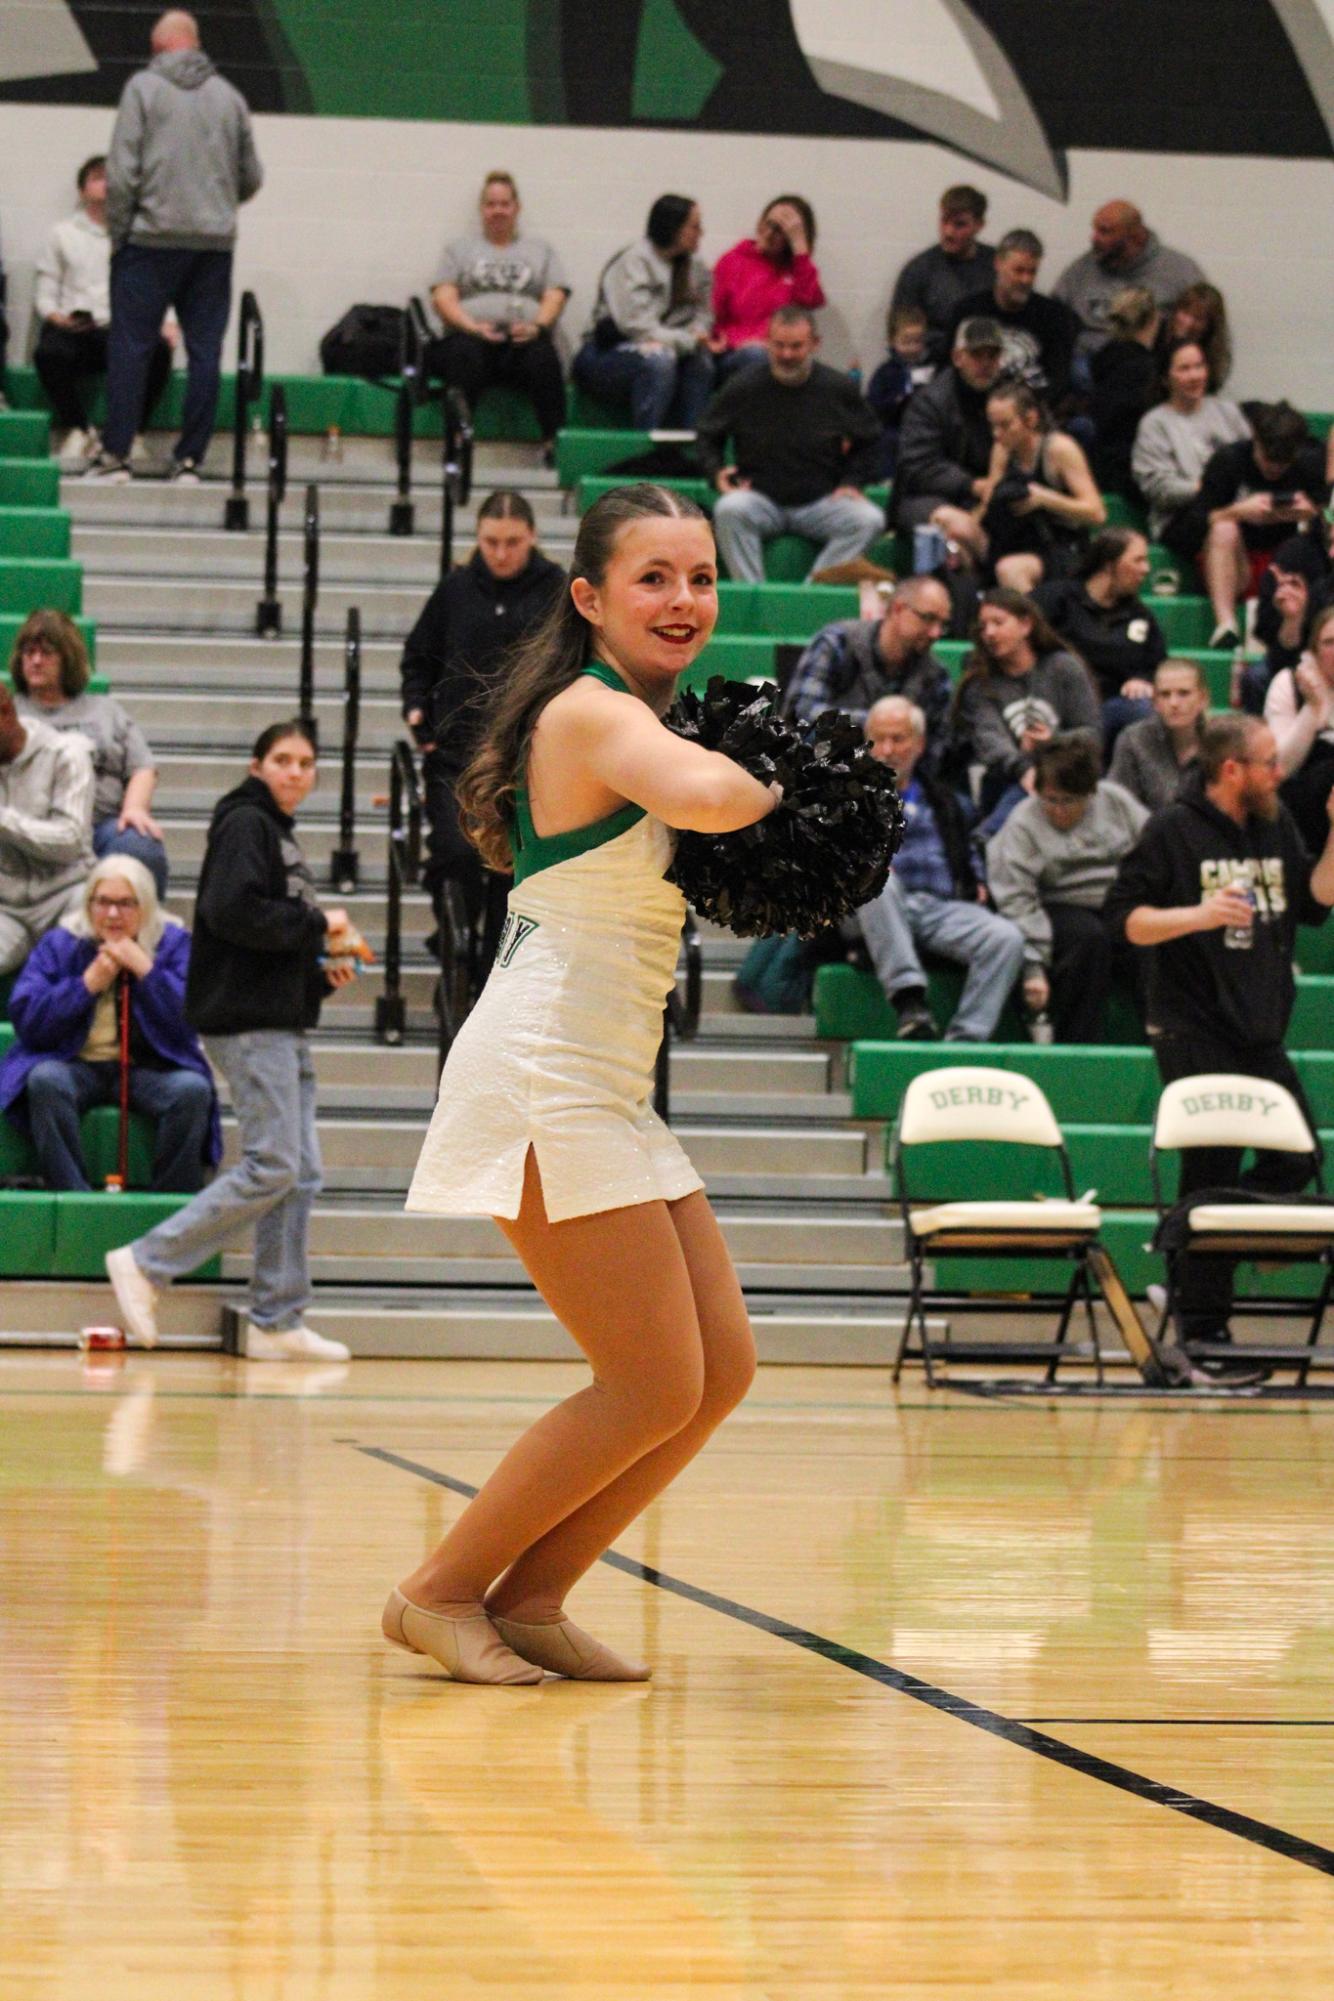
<point>952,1695</point>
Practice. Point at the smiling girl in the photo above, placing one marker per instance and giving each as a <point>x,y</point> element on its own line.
<point>544,1120</point>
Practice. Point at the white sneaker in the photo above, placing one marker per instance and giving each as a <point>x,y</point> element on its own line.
<point>1157,1297</point>
<point>77,447</point>
<point>136,1296</point>
<point>292,1344</point>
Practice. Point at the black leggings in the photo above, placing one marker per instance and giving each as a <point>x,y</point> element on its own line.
<point>468,362</point>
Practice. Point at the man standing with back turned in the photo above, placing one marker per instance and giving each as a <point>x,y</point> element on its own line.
<point>182,160</point>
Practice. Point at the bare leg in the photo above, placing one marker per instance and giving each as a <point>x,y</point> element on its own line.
<point>535,1586</point>
<point>1019,573</point>
<point>620,1283</point>
<point>1225,570</point>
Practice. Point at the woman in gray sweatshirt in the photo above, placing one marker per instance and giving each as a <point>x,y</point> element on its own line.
<point>649,347</point>
<point>1020,688</point>
<point>1175,442</point>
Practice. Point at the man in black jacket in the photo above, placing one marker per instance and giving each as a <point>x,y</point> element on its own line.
<point>471,622</point>
<point>933,899</point>
<point>1040,332</point>
<point>1217,884</point>
<point>945,441</point>
<point>804,443</point>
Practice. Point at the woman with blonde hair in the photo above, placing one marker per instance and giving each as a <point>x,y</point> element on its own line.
<point>545,1118</point>
<point>118,951</point>
<point>1124,379</point>
<point>50,670</point>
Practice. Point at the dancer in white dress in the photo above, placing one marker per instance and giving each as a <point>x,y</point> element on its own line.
<point>544,1119</point>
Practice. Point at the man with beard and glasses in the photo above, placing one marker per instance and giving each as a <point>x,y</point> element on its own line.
<point>804,442</point>
<point>1217,884</point>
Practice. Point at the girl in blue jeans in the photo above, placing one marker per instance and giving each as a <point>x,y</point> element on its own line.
<point>263,958</point>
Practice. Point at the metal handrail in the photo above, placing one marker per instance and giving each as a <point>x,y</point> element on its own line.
<point>269,613</point>
<point>412,388</point>
<point>346,867</point>
<point>456,470</point>
<point>405,851</point>
<point>310,594</point>
<point>680,1017</point>
<point>249,388</point>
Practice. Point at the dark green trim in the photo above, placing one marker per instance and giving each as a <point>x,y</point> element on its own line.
<point>533,851</point>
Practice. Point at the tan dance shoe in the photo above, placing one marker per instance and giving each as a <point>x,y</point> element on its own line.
<point>564,1648</point>
<point>467,1649</point>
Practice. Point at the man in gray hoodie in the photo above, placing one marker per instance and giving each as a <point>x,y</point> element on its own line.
<point>182,160</point>
<point>46,823</point>
<point>1123,251</point>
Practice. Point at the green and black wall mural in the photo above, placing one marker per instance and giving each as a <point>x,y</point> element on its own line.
<point>1014,84</point>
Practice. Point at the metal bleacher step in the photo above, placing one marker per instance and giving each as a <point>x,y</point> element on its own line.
<point>476,1324</point>
<point>204,604</point>
<point>177,553</point>
<point>354,505</point>
<point>153,661</point>
<point>380,1154</point>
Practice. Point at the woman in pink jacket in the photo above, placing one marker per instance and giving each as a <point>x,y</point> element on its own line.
<point>758,275</point>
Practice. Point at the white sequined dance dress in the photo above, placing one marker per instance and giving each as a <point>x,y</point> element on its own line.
<point>559,1052</point>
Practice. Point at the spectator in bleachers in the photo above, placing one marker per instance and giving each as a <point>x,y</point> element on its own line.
<point>1123,383</point>
<point>1199,314</point>
<point>72,300</point>
<point>1299,709</point>
<point>1123,251</point>
<point>1153,756</point>
<point>46,814</point>
<point>904,370</point>
<point>1175,442</point>
<point>956,264</point>
<point>119,948</point>
<point>1040,498</point>
<point>499,296</point>
<point>1050,869</point>
<point>1020,687</point>
<point>803,444</point>
<point>50,671</point>
<point>648,346</point>
<point>933,900</point>
<point>264,957</point>
<point>773,268</point>
<point>945,442</point>
<point>467,628</point>
<point>1296,587</point>
<point>1039,332</point>
<point>1101,616</point>
<point>182,160</point>
<point>856,662</point>
<point>1222,863</point>
<point>1252,494</point>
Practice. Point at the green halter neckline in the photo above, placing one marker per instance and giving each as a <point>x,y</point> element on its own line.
<point>533,851</point>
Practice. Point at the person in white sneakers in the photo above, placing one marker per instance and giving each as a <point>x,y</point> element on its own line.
<point>73,303</point>
<point>264,955</point>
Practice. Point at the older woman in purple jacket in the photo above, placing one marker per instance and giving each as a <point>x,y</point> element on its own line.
<point>66,1058</point>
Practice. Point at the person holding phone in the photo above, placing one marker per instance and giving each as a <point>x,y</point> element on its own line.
<point>499,296</point>
<point>72,299</point>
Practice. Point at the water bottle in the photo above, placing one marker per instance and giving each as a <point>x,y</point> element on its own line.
<point>333,445</point>
<point>929,549</point>
<point>1241,937</point>
<point>1236,678</point>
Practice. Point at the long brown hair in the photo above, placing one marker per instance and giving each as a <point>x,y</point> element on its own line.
<point>1042,637</point>
<point>553,655</point>
<point>62,635</point>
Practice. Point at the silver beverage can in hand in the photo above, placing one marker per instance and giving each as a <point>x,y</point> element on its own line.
<point>1241,937</point>
<point>929,549</point>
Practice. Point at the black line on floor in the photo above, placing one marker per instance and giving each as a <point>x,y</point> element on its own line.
<point>1294,1847</point>
<point>1193,1722</point>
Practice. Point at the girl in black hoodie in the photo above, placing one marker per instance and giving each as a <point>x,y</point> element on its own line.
<point>263,957</point>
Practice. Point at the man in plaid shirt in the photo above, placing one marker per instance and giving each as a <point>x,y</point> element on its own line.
<point>855,663</point>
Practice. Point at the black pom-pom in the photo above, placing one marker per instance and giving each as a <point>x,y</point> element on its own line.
<point>823,852</point>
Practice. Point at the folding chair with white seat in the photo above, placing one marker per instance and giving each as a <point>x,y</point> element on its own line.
<point>1223,1109</point>
<point>969,1104</point>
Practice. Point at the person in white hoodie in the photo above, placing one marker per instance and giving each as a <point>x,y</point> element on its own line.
<point>73,303</point>
<point>46,826</point>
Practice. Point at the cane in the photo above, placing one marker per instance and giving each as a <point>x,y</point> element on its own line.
<point>119,1181</point>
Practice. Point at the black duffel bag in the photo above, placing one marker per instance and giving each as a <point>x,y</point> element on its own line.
<point>368,340</point>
